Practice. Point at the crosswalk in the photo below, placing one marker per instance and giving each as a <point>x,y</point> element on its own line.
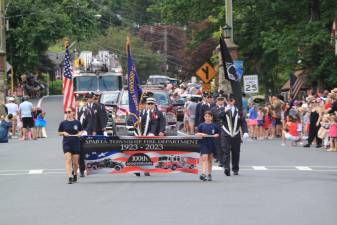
<point>215,168</point>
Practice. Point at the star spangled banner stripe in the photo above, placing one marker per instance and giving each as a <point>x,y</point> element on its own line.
<point>68,89</point>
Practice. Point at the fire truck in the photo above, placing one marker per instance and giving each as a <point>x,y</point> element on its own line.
<point>97,73</point>
<point>173,162</point>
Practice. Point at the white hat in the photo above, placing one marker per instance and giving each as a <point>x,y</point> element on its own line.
<point>150,100</point>
<point>12,99</point>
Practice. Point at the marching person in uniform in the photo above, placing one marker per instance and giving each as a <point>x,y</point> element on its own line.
<point>205,105</point>
<point>232,120</point>
<point>101,116</point>
<point>152,121</point>
<point>88,120</point>
<point>90,116</point>
<point>71,129</point>
<point>216,110</point>
<point>81,107</point>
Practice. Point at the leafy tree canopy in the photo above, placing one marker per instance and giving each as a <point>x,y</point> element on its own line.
<point>274,37</point>
<point>35,24</point>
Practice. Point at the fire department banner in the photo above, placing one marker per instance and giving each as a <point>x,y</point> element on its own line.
<point>114,155</point>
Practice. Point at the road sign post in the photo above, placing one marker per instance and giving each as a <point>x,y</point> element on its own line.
<point>250,84</point>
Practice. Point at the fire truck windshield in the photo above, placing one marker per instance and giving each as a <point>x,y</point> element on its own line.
<point>85,83</point>
<point>110,83</point>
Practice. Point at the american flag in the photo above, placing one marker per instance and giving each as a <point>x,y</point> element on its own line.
<point>295,84</point>
<point>68,90</point>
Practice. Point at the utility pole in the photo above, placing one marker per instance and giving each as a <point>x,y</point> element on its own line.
<point>165,49</point>
<point>3,74</point>
<point>229,16</point>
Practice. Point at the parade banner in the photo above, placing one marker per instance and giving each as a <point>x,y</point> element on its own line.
<point>115,155</point>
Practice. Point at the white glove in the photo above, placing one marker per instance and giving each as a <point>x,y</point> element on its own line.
<point>150,134</point>
<point>84,133</point>
<point>245,136</point>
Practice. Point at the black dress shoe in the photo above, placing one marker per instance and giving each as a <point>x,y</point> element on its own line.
<point>319,146</point>
<point>82,174</point>
<point>306,146</point>
<point>75,178</point>
<point>227,172</point>
<point>137,174</point>
<point>147,174</point>
<point>236,172</point>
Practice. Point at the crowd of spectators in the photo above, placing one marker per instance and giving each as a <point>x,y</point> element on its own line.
<point>303,121</point>
<point>19,119</point>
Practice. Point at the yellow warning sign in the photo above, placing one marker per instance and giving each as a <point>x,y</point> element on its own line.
<point>206,72</point>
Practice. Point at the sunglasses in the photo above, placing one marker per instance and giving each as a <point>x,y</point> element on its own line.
<point>150,103</point>
<point>68,112</point>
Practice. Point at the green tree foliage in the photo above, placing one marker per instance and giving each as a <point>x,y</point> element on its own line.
<point>35,24</point>
<point>274,37</point>
<point>145,60</point>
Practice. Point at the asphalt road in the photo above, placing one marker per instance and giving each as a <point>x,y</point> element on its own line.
<point>276,185</point>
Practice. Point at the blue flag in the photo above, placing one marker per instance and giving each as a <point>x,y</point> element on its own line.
<point>134,88</point>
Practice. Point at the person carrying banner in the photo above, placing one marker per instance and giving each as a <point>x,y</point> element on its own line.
<point>232,120</point>
<point>152,120</point>
<point>71,129</point>
<point>207,131</point>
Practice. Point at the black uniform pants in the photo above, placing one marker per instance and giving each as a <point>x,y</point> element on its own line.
<point>219,153</point>
<point>81,162</point>
<point>313,131</point>
<point>230,147</point>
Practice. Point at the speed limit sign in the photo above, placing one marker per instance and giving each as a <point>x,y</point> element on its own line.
<point>250,84</point>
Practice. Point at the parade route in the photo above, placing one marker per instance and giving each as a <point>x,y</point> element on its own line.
<point>327,169</point>
<point>277,185</point>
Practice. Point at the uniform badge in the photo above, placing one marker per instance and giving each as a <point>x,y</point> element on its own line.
<point>75,127</point>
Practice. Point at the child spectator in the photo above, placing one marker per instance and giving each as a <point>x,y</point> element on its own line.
<point>290,132</point>
<point>260,130</point>
<point>333,133</point>
<point>40,123</point>
<point>324,130</point>
<point>5,125</point>
<point>267,122</point>
<point>252,121</point>
<point>207,131</point>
